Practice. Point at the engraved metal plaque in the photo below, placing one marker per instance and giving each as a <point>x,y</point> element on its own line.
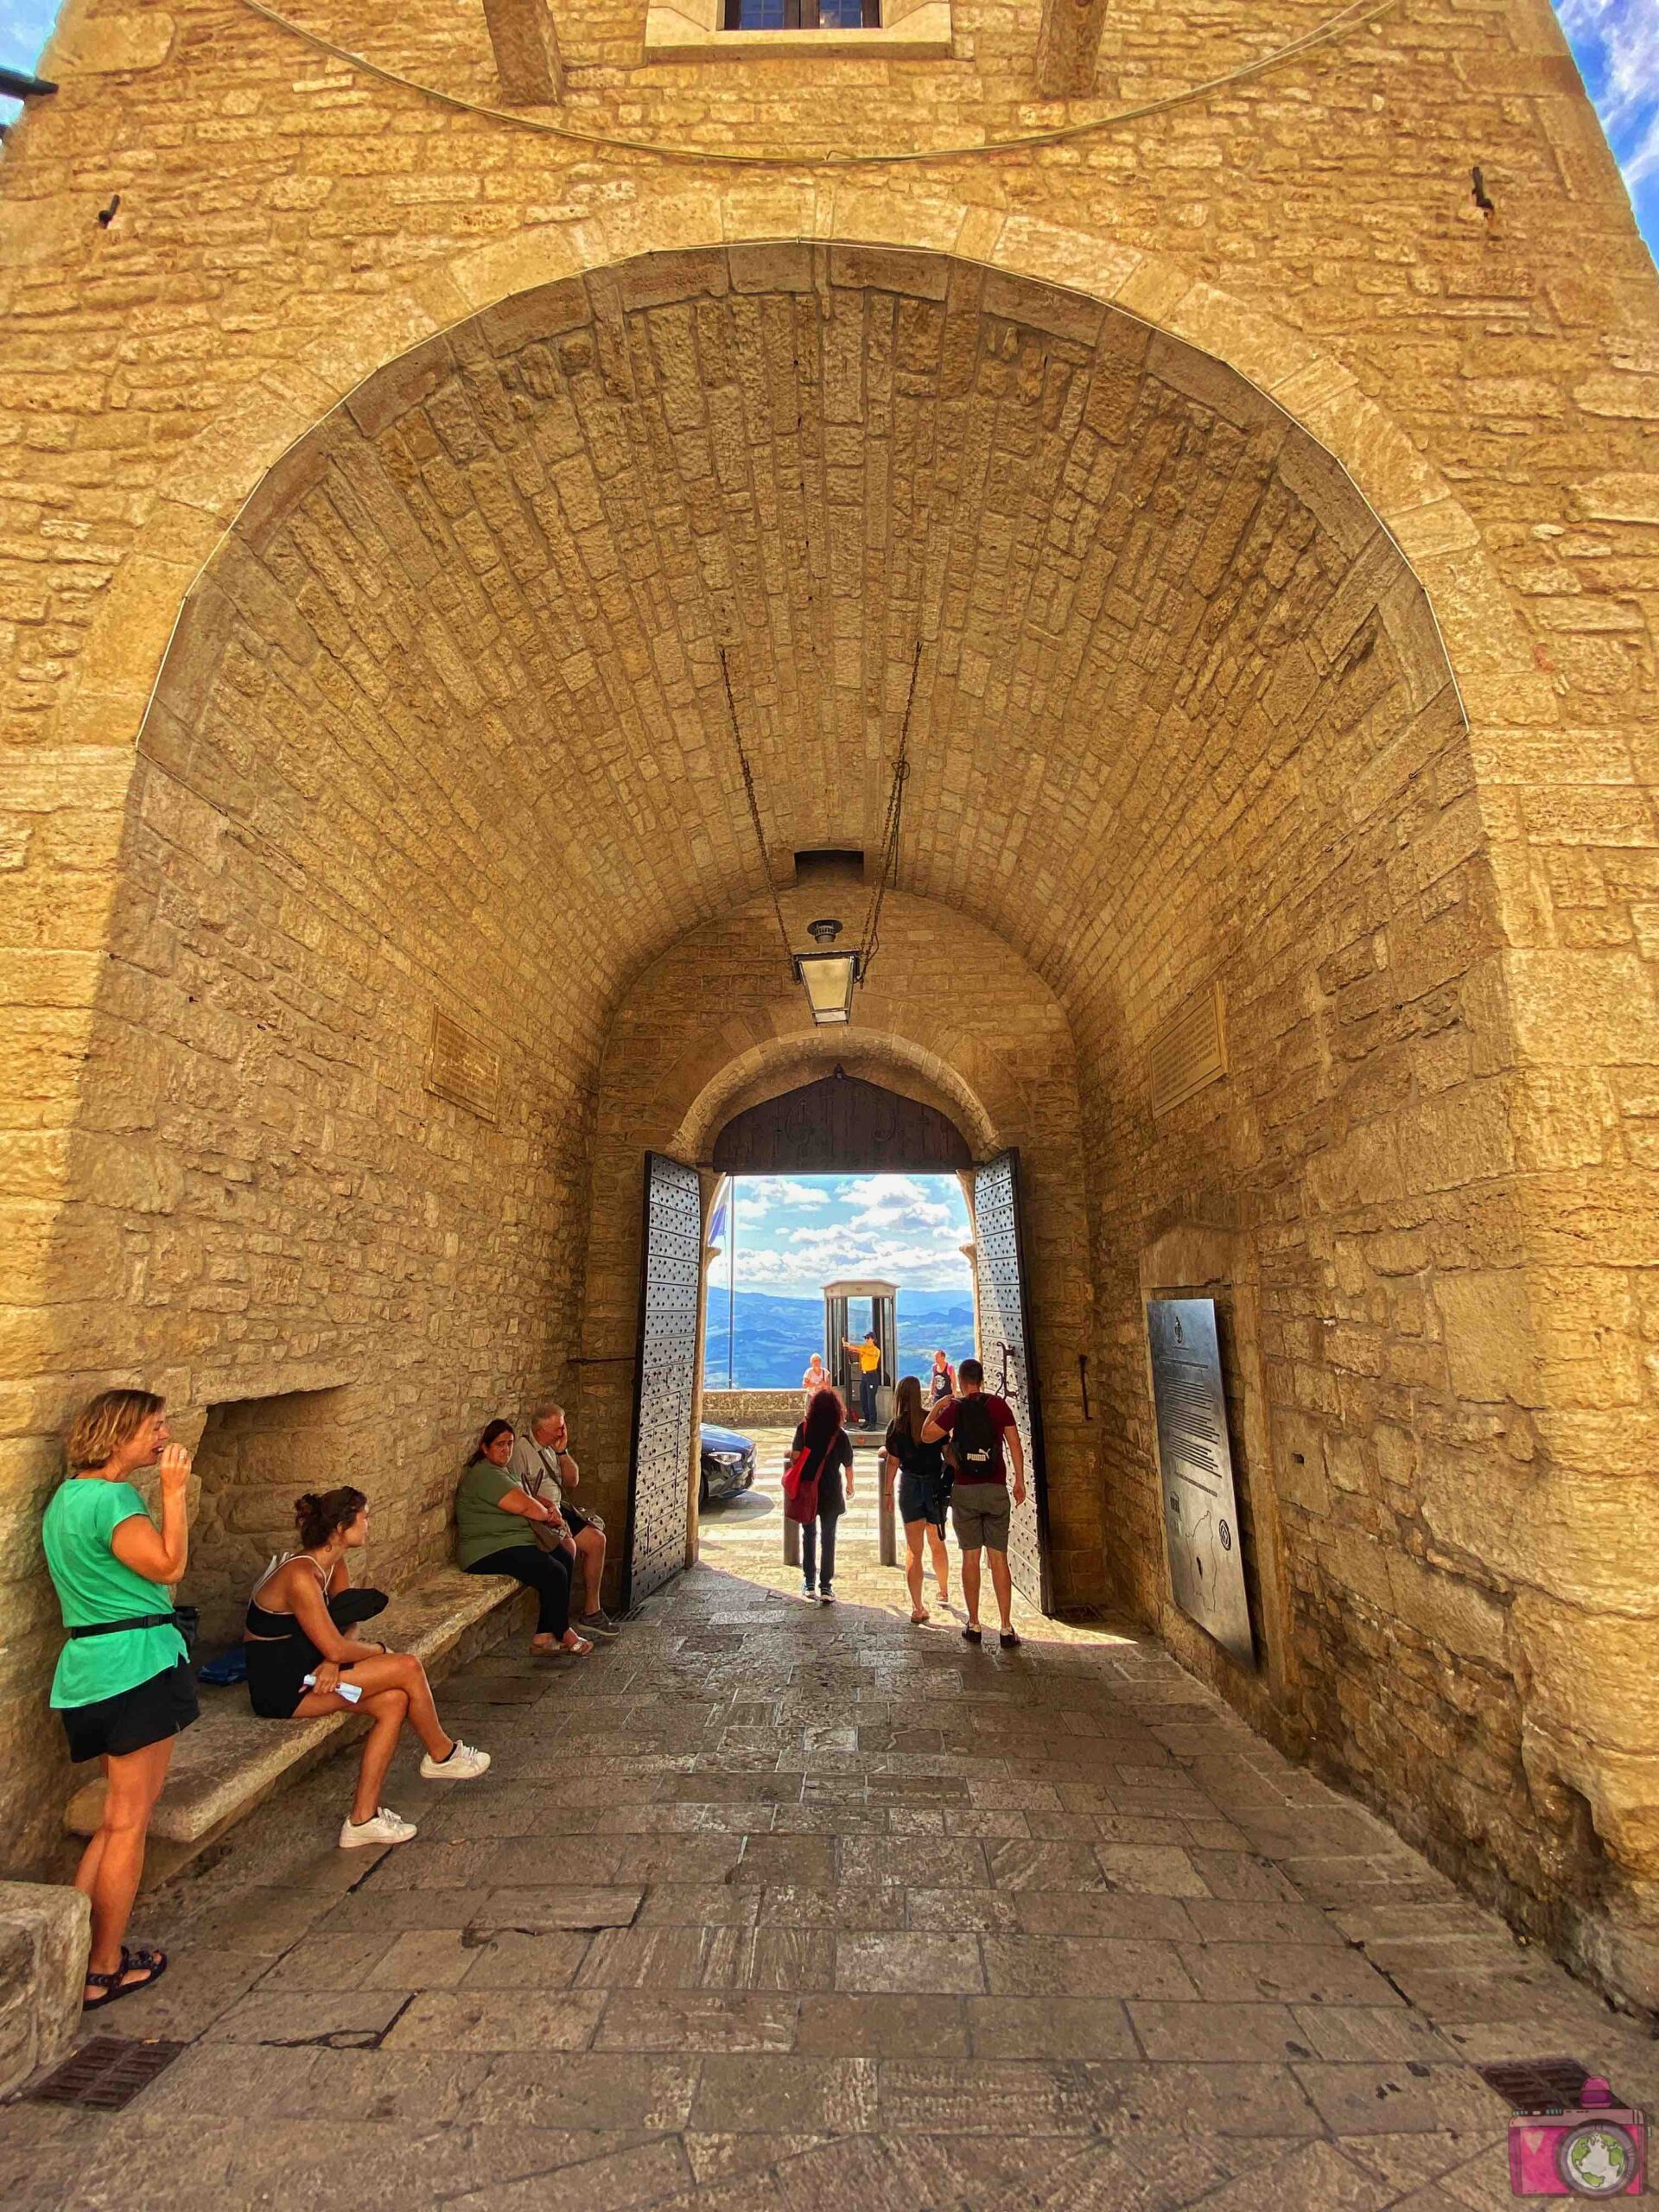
<point>1206,1573</point>
<point>659,1474</point>
<point>462,1069</point>
<point>1005,1354</point>
<point>1189,1051</point>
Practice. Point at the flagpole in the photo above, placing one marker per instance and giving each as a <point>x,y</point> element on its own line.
<point>731,1295</point>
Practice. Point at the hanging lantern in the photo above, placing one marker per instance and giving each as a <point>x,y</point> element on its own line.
<point>829,976</point>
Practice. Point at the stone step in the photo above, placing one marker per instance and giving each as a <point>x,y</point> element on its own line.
<point>230,1760</point>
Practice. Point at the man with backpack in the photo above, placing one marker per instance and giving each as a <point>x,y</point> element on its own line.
<point>981,1428</point>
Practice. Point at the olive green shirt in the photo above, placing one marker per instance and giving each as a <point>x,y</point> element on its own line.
<point>480,1525</point>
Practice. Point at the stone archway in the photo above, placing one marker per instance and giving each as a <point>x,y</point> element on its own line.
<point>437,782</point>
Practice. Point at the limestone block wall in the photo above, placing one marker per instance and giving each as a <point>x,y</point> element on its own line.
<point>223,1165</point>
<point>745,1409</point>
<point>949,1014</point>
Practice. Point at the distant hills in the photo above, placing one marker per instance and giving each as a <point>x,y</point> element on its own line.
<point>773,1338</point>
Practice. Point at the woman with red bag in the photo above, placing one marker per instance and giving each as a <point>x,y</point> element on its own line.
<point>812,1489</point>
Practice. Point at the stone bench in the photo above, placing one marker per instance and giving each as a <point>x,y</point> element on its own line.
<point>230,1760</point>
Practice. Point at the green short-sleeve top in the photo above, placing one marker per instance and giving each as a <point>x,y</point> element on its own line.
<point>93,1585</point>
<point>480,1525</point>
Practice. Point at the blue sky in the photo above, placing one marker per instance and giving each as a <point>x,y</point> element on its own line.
<point>796,1232</point>
<point>1616,44</point>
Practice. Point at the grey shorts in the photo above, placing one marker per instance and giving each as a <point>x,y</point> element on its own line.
<point>980,1512</point>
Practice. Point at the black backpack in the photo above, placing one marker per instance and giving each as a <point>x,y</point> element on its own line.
<point>974,1441</point>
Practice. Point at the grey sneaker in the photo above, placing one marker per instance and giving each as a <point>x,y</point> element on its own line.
<point>598,1624</point>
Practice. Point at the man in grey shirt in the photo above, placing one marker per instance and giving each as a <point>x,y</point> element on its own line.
<point>542,1464</point>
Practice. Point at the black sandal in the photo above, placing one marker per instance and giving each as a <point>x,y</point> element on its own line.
<point>971,1635</point>
<point>1008,1640</point>
<point>151,1964</point>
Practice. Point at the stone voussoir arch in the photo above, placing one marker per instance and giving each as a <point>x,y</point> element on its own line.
<point>201,499</point>
<point>879,1055</point>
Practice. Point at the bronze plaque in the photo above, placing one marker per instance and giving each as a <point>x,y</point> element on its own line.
<point>1195,1460</point>
<point>462,1069</point>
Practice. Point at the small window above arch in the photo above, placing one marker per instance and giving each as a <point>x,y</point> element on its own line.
<point>748,31</point>
<point>802,15</point>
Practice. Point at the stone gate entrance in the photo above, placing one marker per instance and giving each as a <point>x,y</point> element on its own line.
<point>427,907</point>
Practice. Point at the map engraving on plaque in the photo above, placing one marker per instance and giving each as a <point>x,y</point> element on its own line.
<point>462,1069</point>
<point>1196,1462</point>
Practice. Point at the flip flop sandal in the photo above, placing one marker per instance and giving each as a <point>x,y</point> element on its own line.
<point>1010,1642</point>
<point>970,1635</point>
<point>578,1650</point>
<point>151,1964</point>
<point>916,1619</point>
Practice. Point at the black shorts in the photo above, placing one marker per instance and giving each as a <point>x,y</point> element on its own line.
<point>147,1714</point>
<point>912,1498</point>
<point>574,1522</point>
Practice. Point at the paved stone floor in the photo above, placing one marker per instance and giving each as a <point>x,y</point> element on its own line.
<point>778,1909</point>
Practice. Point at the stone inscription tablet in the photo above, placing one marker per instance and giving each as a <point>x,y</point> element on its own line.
<point>1196,1461</point>
<point>462,1069</point>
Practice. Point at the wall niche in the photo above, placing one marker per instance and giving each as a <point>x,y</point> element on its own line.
<point>255,1457</point>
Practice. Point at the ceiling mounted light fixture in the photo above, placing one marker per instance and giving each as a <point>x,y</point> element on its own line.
<point>831,977</point>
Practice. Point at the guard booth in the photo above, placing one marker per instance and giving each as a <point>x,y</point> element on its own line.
<point>838,1298</point>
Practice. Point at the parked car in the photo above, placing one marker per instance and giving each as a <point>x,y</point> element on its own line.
<point>728,1464</point>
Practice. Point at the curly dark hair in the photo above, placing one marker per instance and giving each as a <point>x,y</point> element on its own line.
<point>318,1518</point>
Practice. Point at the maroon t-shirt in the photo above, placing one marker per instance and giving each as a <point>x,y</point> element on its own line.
<point>1002,1413</point>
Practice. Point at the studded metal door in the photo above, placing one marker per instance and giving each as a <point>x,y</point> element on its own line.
<point>666,1371</point>
<point>1006,1355</point>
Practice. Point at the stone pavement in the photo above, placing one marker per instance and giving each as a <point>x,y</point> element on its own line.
<point>769,1909</point>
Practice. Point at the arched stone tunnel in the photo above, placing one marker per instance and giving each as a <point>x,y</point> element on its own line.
<point>438,905</point>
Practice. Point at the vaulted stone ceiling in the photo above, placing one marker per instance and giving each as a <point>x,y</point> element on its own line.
<point>475,619</point>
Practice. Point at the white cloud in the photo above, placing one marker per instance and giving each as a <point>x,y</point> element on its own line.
<point>872,1190</point>
<point>1615,43</point>
<point>759,1195</point>
<point>905,1228</point>
<point>812,1257</point>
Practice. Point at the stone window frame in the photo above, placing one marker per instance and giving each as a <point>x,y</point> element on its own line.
<point>693,30</point>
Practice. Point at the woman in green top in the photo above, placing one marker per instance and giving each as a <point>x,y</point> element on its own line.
<point>122,1687</point>
<point>494,1519</point>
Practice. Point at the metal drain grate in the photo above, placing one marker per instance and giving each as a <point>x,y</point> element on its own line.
<point>106,2073</point>
<point>1537,2084</point>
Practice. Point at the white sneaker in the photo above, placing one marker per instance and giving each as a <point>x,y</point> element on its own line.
<point>463,1765</point>
<point>386,1827</point>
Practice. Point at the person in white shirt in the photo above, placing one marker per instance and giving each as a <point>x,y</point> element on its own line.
<point>542,1464</point>
<point>815,1379</point>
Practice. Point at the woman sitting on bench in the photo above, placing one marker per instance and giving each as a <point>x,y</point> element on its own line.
<point>496,1523</point>
<point>300,1665</point>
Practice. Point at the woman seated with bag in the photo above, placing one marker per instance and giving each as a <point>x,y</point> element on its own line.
<point>819,1453</point>
<point>924,1488</point>
<point>301,1663</point>
<point>504,1530</point>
